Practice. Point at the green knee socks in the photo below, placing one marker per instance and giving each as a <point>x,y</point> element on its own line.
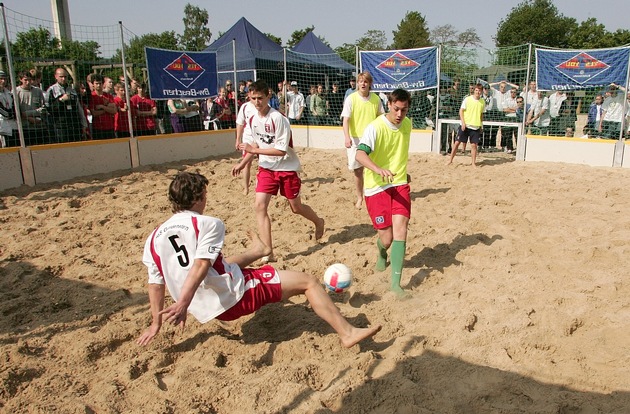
<point>398,257</point>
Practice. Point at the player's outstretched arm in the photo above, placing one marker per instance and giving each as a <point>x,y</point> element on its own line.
<point>177,313</point>
<point>156,299</point>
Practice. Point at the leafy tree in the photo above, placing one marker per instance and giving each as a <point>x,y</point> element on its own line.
<point>590,34</point>
<point>468,37</point>
<point>37,44</point>
<point>621,37</point>
<point>298,35</point>
<point>74,50</point>
<point>196,33</point>
<point>412,32</point>
<point>448,35</point>
<point>444,35</point>
<point>347,52</point>
<point>535,21</point>
<point>134,52</point>
<point>276,39</point>
<point>371,40</point>
<point>593,35</point>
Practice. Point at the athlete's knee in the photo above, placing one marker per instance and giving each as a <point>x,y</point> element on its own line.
<point>296,283</point>
<point>260,207</point>
<point>386,239</point>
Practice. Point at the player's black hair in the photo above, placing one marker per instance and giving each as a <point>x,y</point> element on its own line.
<point>185,190</point>
<point>260,86</point>
<point>97,77</point>
<point>399,95</point>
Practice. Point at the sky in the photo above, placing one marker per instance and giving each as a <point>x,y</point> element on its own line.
<point>338,22</point>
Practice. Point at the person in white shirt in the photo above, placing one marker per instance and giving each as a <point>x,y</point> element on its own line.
<point>531,96</point>
<point>509,110</point>
<point>490,113</point>
<point>502,93</point>
<point>556,126</point>
<point>538,116</point>
<point>295,104</point>
<point>612,113</point>
<point>244,134</point>
<point>278,164</point>
<point>184,255</point>
<point>8,126</point>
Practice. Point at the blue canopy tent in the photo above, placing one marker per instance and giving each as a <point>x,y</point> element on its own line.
<point>321,53</point>
<point>259,57</point>
<point>255,52</point>
<point>324,59</point>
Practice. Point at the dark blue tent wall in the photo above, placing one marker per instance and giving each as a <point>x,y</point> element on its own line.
<point>257,56</point>
<point>321,53</point>
<point>252,49</point>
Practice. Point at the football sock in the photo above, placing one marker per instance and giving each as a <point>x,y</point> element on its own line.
<point>398,256</point>
<point>381,260</point>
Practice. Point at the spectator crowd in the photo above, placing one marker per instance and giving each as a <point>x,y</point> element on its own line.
<point>96,109</point>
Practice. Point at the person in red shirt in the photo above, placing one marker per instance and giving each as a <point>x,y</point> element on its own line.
<point>103,109</point>
<point>121,124</point>
<point>144,110</point>
<point>225,113</point>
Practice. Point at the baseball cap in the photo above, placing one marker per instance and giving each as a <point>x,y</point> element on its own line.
<point>2,74</point>
<point>293,83</point>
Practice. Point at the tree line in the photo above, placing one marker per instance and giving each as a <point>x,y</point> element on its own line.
<point>531,21</point>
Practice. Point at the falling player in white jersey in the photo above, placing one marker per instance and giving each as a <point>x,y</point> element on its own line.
<point>184,256</point>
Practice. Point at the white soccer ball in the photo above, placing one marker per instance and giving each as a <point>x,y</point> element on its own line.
<point>338,277</point>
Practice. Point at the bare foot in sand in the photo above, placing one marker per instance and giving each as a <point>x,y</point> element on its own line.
<point>319,229</point>
<point>258,246</point>
<point>257,250</point>
<point>357,335</point>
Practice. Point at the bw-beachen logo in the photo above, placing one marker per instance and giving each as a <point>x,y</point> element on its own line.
<point>582,67</point>
<point>398,66</point>
<point>184,70</point>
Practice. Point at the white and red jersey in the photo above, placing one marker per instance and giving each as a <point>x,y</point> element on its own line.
<point>245,112</point>
<point>273,131</point>
<point>170,251</point>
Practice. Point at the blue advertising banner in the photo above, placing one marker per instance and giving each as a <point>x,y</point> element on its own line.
<point>570,70</point>
<point>410,69</point>
<point>176,74</point>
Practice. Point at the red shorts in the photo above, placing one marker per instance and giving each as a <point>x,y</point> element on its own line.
<point>393,201</point>
<point>262,286</point>
<point>269,182</point>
